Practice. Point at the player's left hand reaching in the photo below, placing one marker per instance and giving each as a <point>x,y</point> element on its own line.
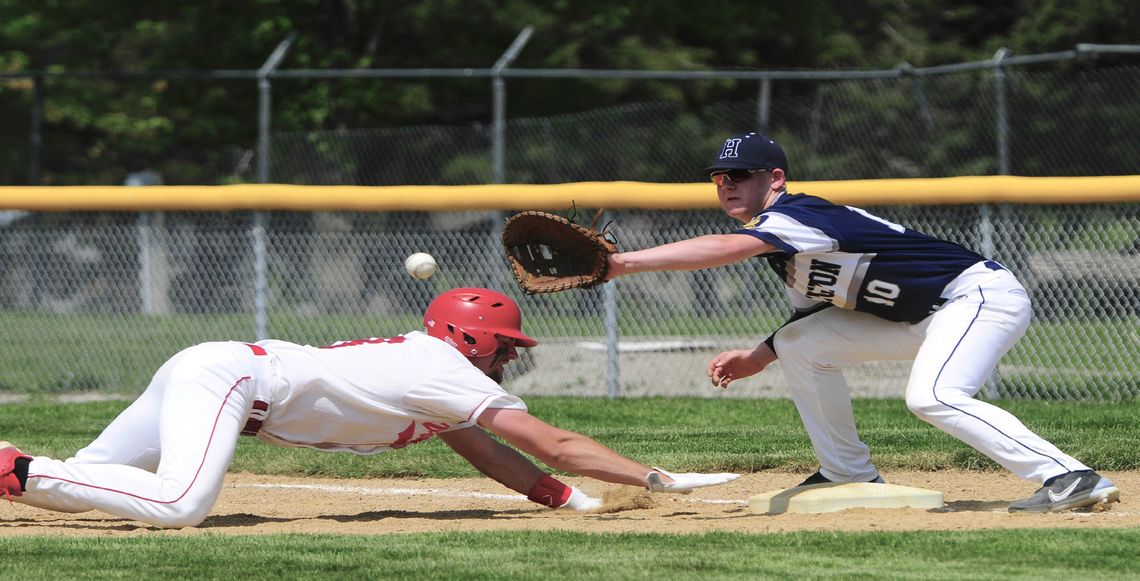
<point>738,364</point>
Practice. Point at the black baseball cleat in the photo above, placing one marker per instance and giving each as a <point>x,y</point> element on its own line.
<point>819,478</point>
<point>1067,491</point>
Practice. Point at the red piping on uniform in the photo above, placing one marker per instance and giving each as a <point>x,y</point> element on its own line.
<point>196,473</point>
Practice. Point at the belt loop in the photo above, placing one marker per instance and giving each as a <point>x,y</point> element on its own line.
<point>993,265</point>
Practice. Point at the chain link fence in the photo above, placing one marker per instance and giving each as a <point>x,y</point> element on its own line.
<point>1055,123</point>
<point>97,301</point>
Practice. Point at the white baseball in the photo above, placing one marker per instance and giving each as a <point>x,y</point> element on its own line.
<point>420,265</point>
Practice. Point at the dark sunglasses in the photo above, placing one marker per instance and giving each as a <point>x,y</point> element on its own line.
<point>734,175</point>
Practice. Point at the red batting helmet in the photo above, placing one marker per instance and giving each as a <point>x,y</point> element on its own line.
<point>470,319</point>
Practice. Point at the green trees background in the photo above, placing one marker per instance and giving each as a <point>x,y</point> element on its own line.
<point>96,130</point>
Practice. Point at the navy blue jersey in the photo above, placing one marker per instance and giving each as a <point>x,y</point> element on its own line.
<point>856,260</point>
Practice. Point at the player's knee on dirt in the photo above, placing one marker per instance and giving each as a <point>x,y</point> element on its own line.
<point>179,515</point>
<point>190,508</point>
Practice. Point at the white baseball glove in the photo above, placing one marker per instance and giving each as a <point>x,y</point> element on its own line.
<point>686,482</point>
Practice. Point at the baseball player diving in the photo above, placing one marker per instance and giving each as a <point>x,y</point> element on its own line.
<point>865,289</point>
<point>162,461</point>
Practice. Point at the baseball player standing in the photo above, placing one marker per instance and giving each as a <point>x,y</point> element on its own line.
<point>900,295</point>
<point>162,461</point>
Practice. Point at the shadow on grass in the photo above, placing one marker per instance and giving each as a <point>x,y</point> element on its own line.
<point>249,520</point>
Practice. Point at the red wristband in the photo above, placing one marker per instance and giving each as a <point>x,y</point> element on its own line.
<point>549,492</point>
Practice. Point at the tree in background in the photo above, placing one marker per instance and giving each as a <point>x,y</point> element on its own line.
<point>192,130</point>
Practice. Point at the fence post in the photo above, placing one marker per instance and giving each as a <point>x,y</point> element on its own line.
<point>764,105</point>
<point>907,70</point>
<point>260,252</point>
<point>498,136</point>
<point>37,130</point>
<point>613,334</point>
<point>989,236</point>
<point>154,262</point>
<point>498,115</point>
<point>1000,111</point>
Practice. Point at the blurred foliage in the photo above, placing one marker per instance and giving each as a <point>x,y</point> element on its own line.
<point>98,130</point>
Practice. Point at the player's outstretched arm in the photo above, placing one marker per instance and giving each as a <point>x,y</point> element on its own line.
<point>693,254</point>
<point>506,466</point>
<point>498,462</point>
<point>579,454</point>
<point>562,449</point>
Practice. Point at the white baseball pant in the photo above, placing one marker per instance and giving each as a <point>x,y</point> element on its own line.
<point>163,459</point>
<point>954,351</point>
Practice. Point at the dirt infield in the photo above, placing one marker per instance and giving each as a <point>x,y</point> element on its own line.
<point>252,504</point>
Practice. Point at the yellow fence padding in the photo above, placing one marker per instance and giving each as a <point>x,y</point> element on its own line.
<point>919,191</point>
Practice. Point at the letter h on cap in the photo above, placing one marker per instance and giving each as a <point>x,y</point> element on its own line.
<point>731,148</point>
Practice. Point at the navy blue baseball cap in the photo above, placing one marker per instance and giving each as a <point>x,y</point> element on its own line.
<point>749,151</point>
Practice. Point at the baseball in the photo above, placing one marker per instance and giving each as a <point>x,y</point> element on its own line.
<point>420,265</point>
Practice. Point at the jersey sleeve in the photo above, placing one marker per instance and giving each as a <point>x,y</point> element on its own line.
<point>789,235</point>
<point>460,394</point>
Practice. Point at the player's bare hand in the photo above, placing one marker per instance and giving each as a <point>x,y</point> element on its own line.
<point>738,364</point>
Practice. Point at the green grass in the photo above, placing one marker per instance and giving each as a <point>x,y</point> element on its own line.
<point>1098,345</point>
<point>1021,554</point>
<point>677,433</point>
<point>118,353</point>
<point>680,433</point>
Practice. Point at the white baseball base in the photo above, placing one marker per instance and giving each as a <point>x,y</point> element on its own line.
<point>819,498</point>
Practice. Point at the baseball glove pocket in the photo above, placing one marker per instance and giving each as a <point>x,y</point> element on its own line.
<point>549,253</point>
